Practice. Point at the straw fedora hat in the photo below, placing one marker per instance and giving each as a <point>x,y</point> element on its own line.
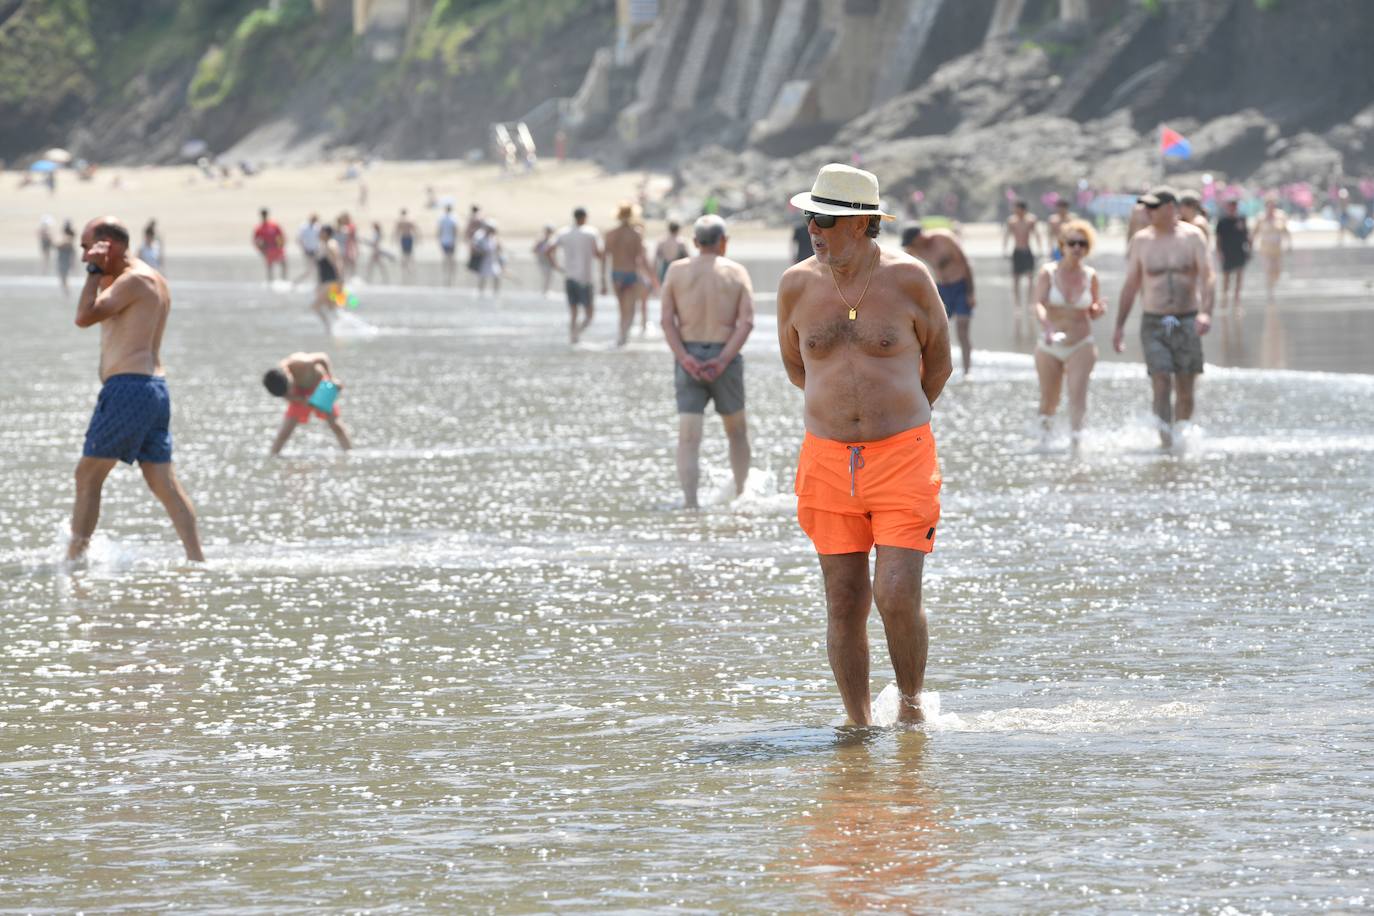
<point>842,190</point>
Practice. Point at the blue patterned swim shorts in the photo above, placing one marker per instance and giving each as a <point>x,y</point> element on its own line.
<point>131,421</point>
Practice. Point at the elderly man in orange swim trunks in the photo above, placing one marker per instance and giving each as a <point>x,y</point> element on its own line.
<point>864,335</point>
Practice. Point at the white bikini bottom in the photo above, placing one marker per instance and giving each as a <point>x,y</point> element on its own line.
<point>1062,351</point>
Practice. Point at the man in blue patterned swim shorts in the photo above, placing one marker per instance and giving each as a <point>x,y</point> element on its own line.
<point>130,301</point>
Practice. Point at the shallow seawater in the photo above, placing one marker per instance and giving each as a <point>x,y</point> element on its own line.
<point>482,663</point>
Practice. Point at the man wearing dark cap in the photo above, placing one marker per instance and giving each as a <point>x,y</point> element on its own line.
<point>1168,262</point>
<point>130,301</point>
<point>939,250</point>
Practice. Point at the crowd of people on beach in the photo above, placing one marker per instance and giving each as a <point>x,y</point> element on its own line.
<point>864,331</point>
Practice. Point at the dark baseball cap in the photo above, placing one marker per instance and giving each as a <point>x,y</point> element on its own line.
<point>1190,197</point>
<point>1163,194</point>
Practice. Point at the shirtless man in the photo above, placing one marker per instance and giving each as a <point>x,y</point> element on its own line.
<point>1054,226</point>
<point>1020,230</point>
<point>939,250</point>
<point>1270,238</point>
<point>406,233</point>
<point>130,301</point>
<point>708,312</point>
<point>296,378</point>
<point>628,262</point>
<point>1168,261</point>
<point>863,334</point>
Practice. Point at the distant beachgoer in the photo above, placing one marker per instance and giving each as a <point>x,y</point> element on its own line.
<point>66,256</point>
<point>308,238</point>
<point>298,378</point>
<point>801,243</point>
<point>560,146</point>
<point>939,250</point>
<point>329,279</point>
<point>431,201</point>
<point>1067,301</point>
<point>486,245</point>
<point>150,252</point>
<point>1271,237</point>
<point>1138,219</point>
<point>581,245</point>
<point>448,243</point>
<point>1168,262</point>
<point>1055,224</point>
<point>708,312</point>
<point>670,248</point>
<point>541,257</point>
<point>406,233</point>
<point>45,241</point>
<point>132,418</point>
<point>1190,211</point>
<point>346,237</point>
<point>474,223</point>
<point>1233,249</point>
<point>626,258</point>
<point>377,256</point>
<point>270,242</point>
<point>863,334</point>
<point>1021,231</point>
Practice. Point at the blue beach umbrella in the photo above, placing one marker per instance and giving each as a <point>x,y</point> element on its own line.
<point>44,165</point>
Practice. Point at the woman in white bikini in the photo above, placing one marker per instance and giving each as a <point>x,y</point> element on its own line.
<point>1067,300</point>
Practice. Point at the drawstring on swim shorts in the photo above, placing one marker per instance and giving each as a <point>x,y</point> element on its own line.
<point>1170,323</point>
<point>856,461</point>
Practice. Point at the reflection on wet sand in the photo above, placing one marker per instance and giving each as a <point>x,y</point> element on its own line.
<point>1273,339</point>
<point>876,832</point>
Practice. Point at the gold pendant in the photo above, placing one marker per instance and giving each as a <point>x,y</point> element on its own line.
<point>853,314</point>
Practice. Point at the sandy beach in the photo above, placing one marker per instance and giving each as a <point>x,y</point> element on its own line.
<point>200,217</point>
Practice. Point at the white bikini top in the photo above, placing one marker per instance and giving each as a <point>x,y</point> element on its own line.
<point>1083,302</point>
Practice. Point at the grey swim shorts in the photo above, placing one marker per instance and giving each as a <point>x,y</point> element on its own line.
<point>727,390</point>
<point>1171,344</point>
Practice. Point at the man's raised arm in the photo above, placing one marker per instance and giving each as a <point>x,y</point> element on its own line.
<point>95,304</point>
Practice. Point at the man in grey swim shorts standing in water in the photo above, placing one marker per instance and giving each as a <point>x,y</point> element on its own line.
<point>708,312</point>
<point>1169,262</point>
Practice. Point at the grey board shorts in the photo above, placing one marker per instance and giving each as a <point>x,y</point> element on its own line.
<point>727,391</point>
<point>1171,344</point>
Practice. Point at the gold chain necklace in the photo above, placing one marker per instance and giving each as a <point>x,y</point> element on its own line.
<point>854,309</point>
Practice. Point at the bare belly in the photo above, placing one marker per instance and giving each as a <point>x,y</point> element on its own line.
<point>140,362</point>
<point>863,400</point>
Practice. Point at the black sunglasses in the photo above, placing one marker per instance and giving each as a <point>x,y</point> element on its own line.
<point>822,220</point>
<point>1076,243</point>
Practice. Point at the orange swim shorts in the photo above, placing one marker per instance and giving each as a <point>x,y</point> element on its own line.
<point>301,412</point>
<point>851,495</point>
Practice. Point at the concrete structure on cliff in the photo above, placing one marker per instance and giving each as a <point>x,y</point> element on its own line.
<point>782,75</point>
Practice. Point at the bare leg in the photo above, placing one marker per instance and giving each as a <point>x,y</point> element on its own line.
<point>573,328</point>
<point>1051,372</point>
<point>848,596</point>
<point>625,297</point>
<point>587,318</point>
<point>737,432</point>
<point>1183,402</point>
<point>961,325</point>
<point>1079,369</point>
<point>643,309</point>
<point>90,478</point>
<point>1235,302</point>
<point>340,432</point>
<point>897,588</point>
<point>1162,384</point>
<point>162,480</point>
<point>1016,312</point>
<point>689,456</point>
<point>288,426</point>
